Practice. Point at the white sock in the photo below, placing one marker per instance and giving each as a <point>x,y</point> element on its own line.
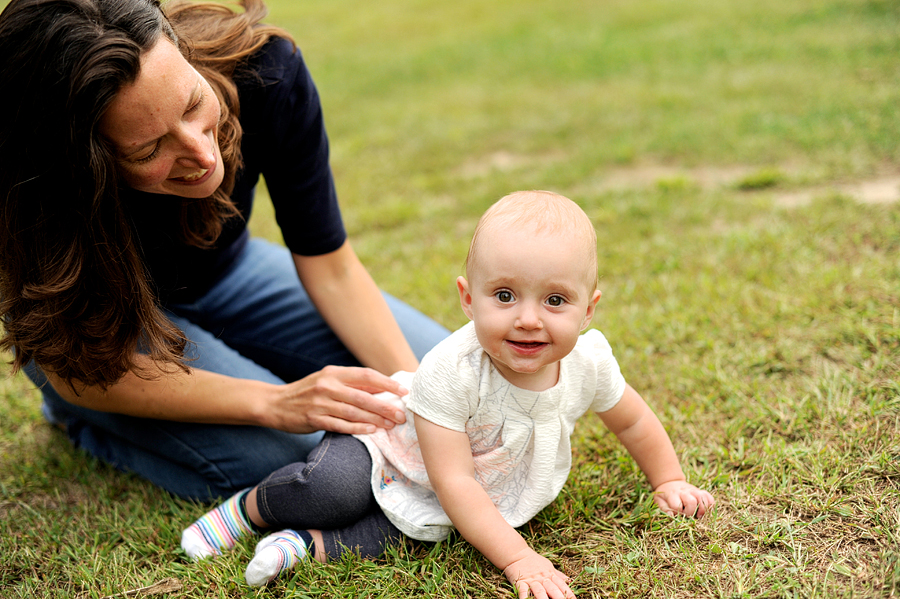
<point>274,554</point>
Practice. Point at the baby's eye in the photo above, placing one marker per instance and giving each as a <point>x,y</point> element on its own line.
<point>504,296</point>
<point>556,300</point>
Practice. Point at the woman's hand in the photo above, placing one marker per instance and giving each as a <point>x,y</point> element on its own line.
<point>535,575</point>
<point>337,398</point>
<point>679,498</point>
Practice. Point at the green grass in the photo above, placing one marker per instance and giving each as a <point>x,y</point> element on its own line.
<point>765,333</point>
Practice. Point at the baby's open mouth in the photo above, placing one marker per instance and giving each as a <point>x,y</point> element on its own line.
<point>528,343</point>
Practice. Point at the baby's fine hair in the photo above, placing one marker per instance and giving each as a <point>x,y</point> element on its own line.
<point>542,212</point>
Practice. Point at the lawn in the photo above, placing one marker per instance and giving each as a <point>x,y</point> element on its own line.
<point>740,162</point>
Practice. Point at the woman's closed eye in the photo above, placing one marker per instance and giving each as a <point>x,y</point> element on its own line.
<point>149,156</point>
<point>196,105</point>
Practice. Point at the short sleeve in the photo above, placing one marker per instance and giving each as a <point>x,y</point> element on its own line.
<point>285,141</point>
<point>609,384</point>
<point>445,388</point>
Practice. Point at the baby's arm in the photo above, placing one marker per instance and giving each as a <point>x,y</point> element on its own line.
<point>643,435</point>
<point>451,471</point>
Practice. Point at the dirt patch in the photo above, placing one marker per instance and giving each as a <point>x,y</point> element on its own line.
<point>502,162</point>
<point>648,175</point>
<point>879,190</point>
<point>885,190</point>
<point>68,493</point>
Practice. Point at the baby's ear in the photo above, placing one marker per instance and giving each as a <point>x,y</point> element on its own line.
<point>592,305</point>
<point>465,297</point>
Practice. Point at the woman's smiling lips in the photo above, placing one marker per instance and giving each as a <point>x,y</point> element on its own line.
<point>195,178</point>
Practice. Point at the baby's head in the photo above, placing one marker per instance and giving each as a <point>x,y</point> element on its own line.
<point>542,212</point>
<point>530,285</point>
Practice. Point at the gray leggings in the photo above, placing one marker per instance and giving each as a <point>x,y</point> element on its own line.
<point>331,492</point>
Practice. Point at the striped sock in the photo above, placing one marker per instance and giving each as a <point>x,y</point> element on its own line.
<point>276,553</point>
<point>218,530</point>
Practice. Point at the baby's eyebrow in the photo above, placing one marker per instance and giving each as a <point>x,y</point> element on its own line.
<point>500,282</point>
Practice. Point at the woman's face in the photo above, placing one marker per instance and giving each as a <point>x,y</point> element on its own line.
<point>163,127</point>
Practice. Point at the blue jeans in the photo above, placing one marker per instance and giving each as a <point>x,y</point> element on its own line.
<point>256,322</point>
<point>330,491</point>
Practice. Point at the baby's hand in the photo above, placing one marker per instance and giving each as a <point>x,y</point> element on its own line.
<point>680,498</point>
<point>535,575</point>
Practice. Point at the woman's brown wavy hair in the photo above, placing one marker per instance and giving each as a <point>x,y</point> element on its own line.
<point>74,293</point>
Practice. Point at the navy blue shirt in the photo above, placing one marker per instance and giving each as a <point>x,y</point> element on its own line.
<point>285,141</point>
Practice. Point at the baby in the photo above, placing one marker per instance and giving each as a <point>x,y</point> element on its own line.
<point>490,410</point>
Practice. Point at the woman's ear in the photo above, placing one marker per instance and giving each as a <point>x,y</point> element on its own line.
<point>592,305</point>
<point>465,297</point>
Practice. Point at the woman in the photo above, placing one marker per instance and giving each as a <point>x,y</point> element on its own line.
<point>166,341</point>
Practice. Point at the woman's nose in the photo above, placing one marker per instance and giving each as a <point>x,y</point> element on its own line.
<point>198,149</point>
